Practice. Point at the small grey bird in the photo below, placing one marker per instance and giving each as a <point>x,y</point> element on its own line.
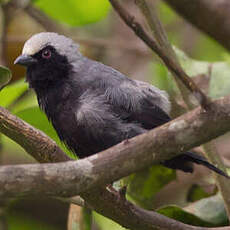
<point>91,105</point>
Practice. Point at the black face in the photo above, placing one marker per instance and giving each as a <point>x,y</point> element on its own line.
<point>49,68</point>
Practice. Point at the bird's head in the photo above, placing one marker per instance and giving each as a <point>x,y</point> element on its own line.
<point>48,57</point>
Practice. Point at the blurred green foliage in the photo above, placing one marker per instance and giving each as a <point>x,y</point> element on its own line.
<point>196,192</point>
<point>210,209</point>
<point>105,223</point>
<point>22,222</point>
<point>35,117</point>
<point>5,76</point>
<point>12,92</point>
<point>143,186</point>
<point>178,213</point>
<point>74,12</point>
<point>202,47</point>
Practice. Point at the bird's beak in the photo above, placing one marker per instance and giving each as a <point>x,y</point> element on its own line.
<point>25,60</point>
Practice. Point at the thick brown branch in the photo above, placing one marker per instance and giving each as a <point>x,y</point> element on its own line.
<point>189,128</point>
<point>102,201</point>
<point>134,217</point>
<point>179,135</point>
<point>212,17</point>
<point>152,44</point>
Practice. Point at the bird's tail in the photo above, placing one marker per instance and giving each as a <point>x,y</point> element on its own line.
<point>183,162</point>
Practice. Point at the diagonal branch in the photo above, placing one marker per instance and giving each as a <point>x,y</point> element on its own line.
<point>134,217</point>
<point>160,36</point>
<point>177,136</point>
<point>191,129</point>
<point>172,65</point>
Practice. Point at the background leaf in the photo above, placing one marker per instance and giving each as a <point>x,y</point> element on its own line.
<point>196,192</point>
<point>220,80</point>
<point>210,209</point>
<point>37,118</point>
<point>219,72</point>
<point>183,216</point>
<point>75,12</point>
<point>105,223</point>
<point>11,92</point>
<point>143,186</point>
<point>22,222</point>
<point>5,76</point>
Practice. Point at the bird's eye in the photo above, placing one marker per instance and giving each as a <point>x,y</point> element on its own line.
<point>46,54</point>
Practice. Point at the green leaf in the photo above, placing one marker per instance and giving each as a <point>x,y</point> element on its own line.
<point>27,101</point>
<point>5,76</point>
<point>143,186</point>
<point>75,12</point>
<point>166,13</point>
<point>161,78</point>
<point>179,214</point>
<point>196,192</point>
<point>35,117</point>
<point>105,223</point>
<point>86,215</point>
<point>24,222</point>
<point>192,67</point>
<point>210,209</point>
<point>11,92</point>
<point>219,84</point>
<point>220,80</point>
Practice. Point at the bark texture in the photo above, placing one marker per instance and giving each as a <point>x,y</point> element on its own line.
<point>212,17</point>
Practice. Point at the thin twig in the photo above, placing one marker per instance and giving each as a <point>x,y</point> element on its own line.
<point>45,21</point>
<point>77,200</point>
<point>3,22</point>
<point>156,27</point>
<point>170,63</point>
<point>160,35</point>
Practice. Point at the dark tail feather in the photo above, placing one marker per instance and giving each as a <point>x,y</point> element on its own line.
<point>183,162</point>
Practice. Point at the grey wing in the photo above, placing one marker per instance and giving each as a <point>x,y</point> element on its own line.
<point>157,96</point>
<point>140,102</point>
<point>132,101</point>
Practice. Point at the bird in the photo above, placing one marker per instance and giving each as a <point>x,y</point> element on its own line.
<point>92,106</point>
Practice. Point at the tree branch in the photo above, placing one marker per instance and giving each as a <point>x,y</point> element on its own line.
<point>160,35</point>
<point>199,13</point>
<point>177,136</point>
<point>107,203</point>
<point>133,217</point>
<point>196,124</point>
<point>45,21</point>
<point>152,44</point>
